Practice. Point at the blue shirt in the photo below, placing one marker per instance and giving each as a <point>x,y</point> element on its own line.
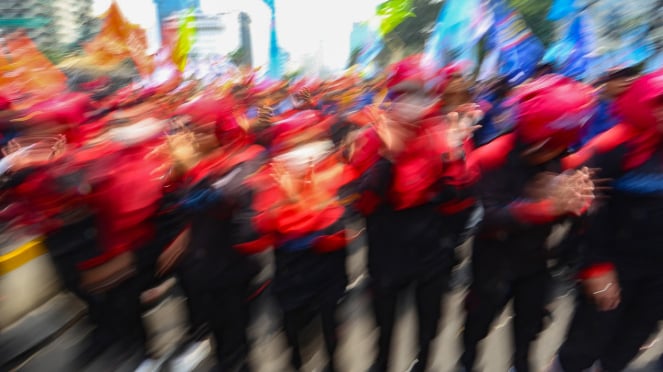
<point>603,120</point>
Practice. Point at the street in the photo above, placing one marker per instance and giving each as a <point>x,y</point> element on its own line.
<point>357,337</point>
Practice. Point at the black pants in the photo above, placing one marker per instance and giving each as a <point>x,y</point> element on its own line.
<point>295,320</point>
<point>228,318</point>
<point>118,314</point>
<point>428,297</point>
<point>614,337</point>
<point>494,284</point>
<point>222,310</point>
<point>196,302</point>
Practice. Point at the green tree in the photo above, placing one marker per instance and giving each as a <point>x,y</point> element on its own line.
<point>412,33</point>
<point>535,14</point>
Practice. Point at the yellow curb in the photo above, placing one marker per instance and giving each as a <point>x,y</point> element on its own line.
<point>20,256</point>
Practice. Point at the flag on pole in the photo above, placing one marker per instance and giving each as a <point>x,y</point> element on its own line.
<point>459,27</point>
<point>392,13</point>
<point>186,36</point>
<point>571,55</point>
<point>562,9</point>
<point>369,43</point>
<point>275,68</point>
<point>520,50</point>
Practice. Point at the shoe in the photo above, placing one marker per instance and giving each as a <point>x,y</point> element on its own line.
<point>191,357</point>
<point>148,365</point>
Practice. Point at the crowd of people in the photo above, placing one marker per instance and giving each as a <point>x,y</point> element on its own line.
<point>193,180</point>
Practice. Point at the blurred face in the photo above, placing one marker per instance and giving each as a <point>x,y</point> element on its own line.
<point>455,94</point>
<point>410,106</point>
<point>615,87</point>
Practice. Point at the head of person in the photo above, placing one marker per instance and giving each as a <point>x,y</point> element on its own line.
<point>617,81</point>
<point>409,98</point>
<point>550,112</point>
<point>454,88</point>
<point>641,105</point>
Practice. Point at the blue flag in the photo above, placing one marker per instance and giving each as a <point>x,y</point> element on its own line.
<point>369,43</point>
<point>520,50</point>
<point>459,26</point>
<point>561,9</point>
<point>275,69</point>
<point>571,54</point>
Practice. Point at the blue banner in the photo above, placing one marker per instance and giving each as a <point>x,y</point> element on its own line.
<point>459,27</point>
<point>275,68</point>
<point>571,54</point>
<point>561,9</point>
<point>369,43</point>
<point>520,50</point>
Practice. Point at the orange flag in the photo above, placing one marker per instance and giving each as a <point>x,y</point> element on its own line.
<point>27,71</point>
<point>118,40</point>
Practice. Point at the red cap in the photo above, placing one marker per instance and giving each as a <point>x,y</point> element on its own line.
<point>445,74</point>
<point>306,124</point>
<point>636,105</point>
<point>406,74</point>
<point>552,109</point>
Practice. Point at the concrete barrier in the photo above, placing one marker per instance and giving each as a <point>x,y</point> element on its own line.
<point>33,307</point>
<point>27,280</point>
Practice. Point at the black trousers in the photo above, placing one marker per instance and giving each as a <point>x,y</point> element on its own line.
<point>196,302</point>
<point>228,318</point>
<point>118,313</point>
<point>495,283</point>
<point>428,297</point>
<point>224,310</point>
<point>295,320</point>
<point>614,337</point>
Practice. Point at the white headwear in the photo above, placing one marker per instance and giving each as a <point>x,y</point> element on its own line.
<point>298,159</point>
<point>138,132</point>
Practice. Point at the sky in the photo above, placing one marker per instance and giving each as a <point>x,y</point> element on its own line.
<point>312,31</point>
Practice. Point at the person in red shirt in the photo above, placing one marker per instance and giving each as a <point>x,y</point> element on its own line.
<point>620,297</point>
<point>524,193</point>
<point>413,191</point>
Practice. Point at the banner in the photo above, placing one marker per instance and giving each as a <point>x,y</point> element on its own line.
<point>520,50</point>
<point>119,40</point>
<point>186,37</point>
<point>275,68</point>
<point>392,13</point>
<point>459,27</point>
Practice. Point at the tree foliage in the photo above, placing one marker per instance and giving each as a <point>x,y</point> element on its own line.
<point>412,33</point>
<point>410,36</point>
<point>535,13</point>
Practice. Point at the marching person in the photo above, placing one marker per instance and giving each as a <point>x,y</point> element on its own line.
<point>612,85</point>
<point>216,159</point>
<point>620,301</point>
<point>411,179</point>
<point>523,193</point>
<point>300,209</point>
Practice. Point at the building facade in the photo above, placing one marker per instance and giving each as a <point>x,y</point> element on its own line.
<point>216,35</point>
<point>68,21</point>
<point>166,8</point>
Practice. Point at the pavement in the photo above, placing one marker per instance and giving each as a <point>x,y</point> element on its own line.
<point>357,336</point>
